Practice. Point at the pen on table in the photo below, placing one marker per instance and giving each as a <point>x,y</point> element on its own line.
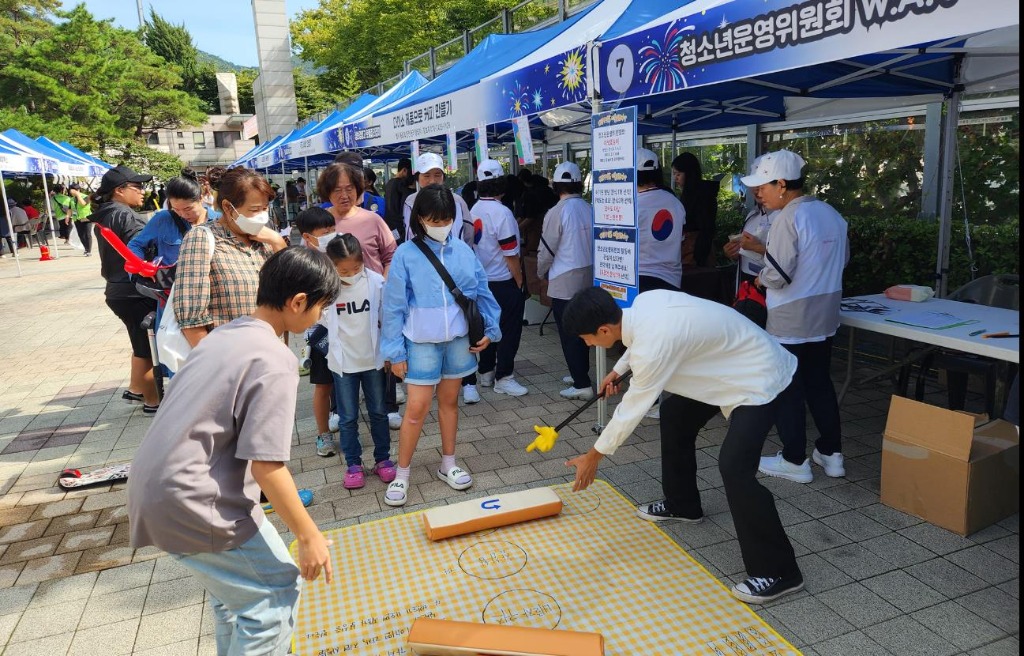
<point>996,335</point>
<point>977,332</point>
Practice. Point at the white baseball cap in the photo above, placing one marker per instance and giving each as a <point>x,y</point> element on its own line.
<point>780,165</point>
<point>567,172</point>
<point>489,169</point>
<point>428,162</point>
<point>647,160</point>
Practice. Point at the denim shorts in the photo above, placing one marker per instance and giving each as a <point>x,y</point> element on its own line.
<point>429,363</point>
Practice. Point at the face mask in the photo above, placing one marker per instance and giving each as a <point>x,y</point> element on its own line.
<point>351,280</point>
<point>251,225</point>
<point>438,233</point>
<point>322,241</point>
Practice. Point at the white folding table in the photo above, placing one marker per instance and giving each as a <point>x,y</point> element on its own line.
<point>874,312</point>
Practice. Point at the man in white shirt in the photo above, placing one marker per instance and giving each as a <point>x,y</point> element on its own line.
<point>706,357</point>
<point>497,243</point>
<point>660,221</point>
<point>430,170</point>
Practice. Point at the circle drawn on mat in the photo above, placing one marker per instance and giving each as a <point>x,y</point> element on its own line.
<point>523,607</point>
<point>578,503</point>
<point>620,68</point>
<point>493,560</point>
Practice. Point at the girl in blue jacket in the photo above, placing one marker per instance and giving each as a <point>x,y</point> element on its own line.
<point>424,336</point>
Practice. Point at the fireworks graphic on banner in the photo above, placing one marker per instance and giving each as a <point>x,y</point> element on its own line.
<point>518,99</point>
<point>660,64</point>
<point>572,76</point>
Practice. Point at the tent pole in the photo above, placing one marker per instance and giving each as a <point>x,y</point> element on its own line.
<point>10,225</point>
<point>49,214</point>
<point>601,365</point>
<point>949,130</point>
<point>284,181</point>
<point>305,165</point>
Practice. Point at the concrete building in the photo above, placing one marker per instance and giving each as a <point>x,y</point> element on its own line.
<point>274,89</point>
<point>216,142</point>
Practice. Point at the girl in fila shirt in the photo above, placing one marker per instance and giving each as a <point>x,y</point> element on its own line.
<point>354,358</point>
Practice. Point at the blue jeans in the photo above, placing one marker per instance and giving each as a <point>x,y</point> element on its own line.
<point>254,590</point>
<point>346,390</point>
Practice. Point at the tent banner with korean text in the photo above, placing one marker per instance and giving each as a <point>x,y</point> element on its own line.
<point>551,83</point>
<point>616,247</point>
<point>704,42</point>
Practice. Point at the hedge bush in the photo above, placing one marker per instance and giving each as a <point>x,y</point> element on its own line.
<point>886,251</point>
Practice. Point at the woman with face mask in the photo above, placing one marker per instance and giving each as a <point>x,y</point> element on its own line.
<point>219,264</point>
<point>424,332</point>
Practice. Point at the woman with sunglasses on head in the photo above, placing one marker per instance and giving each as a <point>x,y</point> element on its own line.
<point>219,263</point>
<point>162,236</point>
<point>113,204</point>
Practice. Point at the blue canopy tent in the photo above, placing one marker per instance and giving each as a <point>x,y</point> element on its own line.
<point>95,169</point>
<point>84,154</point>
<point>14,160</point>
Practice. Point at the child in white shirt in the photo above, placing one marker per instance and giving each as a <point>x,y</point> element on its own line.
<point>353,326</point>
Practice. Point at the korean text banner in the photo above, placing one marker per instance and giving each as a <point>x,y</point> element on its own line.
<point>746,38</point>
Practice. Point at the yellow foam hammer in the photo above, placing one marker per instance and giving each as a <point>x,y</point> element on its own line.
<point>547,436</point>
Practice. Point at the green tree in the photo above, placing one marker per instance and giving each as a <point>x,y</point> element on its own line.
<point>93,82</point>
<point>140,157</point>
<point>23,22</point>
<point>245,78</point>
<point>341,36</point>
<point>310,98</point>
<point>174,44</point>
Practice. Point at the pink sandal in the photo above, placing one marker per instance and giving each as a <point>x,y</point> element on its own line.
<point>386,470</point>
<point>355,478</point>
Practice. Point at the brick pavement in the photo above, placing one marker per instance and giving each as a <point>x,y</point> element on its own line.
<point>878,581</point>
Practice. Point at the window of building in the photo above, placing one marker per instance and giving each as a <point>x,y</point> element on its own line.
<point>153,139</point>
<point>225,139</point>
<point>199,140</point>
<point>181,146</point>
<point>181,134</point>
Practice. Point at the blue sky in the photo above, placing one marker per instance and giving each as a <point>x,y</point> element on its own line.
<point>221,27</point>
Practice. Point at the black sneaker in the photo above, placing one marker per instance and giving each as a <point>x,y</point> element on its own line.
<point>759,590</point>
<point>131,397</point>
<point>658,512</point>
<point>150,409</point>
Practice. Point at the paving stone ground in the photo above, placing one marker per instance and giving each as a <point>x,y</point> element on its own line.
<point>878,581</point>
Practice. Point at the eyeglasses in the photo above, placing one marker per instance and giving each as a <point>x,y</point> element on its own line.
<point>344,190</point>
<point>136,187</point>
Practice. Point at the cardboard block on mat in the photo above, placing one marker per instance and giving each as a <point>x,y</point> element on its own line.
<point>953,469</point>
<point>490,512</point>
<point>430,637</point>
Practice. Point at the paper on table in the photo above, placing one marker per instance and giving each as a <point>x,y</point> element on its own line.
<point>931,319</point>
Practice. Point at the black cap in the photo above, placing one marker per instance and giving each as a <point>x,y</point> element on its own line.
<point>119,176</point>
<point>75,186</point>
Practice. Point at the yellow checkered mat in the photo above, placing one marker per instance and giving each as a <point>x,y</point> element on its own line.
<point>596,567</point>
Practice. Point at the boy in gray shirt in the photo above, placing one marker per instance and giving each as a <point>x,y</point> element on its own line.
<point>222,434</point>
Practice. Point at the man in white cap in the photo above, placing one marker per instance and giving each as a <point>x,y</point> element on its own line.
<point>804,258</point>
<point>429,169</point>
<point>660,218</point>
<point>566,259</point>
<point>660,221</point>
<point>497,246</point>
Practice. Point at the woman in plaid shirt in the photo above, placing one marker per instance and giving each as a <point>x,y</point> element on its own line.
<point>213,289</point>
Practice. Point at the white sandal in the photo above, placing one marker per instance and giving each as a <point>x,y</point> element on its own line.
<point>398,486</point>
<point>453,476</point>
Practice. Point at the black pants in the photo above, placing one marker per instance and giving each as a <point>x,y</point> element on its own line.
<point>85,234</point>
<point>501,357</point>
<point>390,393</point>
<point>811,389</point>
<point>575,350</point>
<point>763,543</point>
<point>647,283</point>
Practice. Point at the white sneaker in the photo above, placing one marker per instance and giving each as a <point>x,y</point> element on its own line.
<point>486,380</point>
<point>333,422</point>
<point>568,380</point>
<point>399,394</point>
<point>470,395</point>
<point>654,412</point>
<point>577,394</point>
<point>394,420</point>
<point>508,385</point>
<point>779,467</point>
<point>833,464</point>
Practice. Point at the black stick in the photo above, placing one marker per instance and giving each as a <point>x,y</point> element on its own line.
<point>623,378</point>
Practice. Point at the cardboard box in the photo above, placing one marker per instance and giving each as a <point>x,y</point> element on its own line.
<point>953,469</point>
